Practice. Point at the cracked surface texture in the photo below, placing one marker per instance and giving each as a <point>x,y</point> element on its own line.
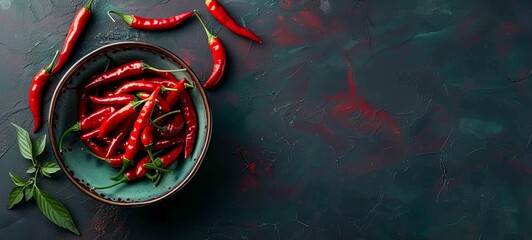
<point>355,119</point>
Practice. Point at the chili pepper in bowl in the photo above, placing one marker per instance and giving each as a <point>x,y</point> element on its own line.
<point>145,85</point>
<point>81,19</point>
<point>35,96</point>
<point>123,71</point>
<point>115,161</point>
<point>88,123</point>
<point>220,14</point>
<point>118,117</point>
<point>142,121</point>
<point>115,99</point>
<point>119,135</point>
<point>173,128</point>
<point>163,105</point>
<point>151,24</point>
<point>191,122</point>
<point>218,56</point>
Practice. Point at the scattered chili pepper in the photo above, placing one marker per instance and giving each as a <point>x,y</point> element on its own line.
<point>81,19</point>
<point>191,122</point>
<point>116,99</point>
<point>119,135</point>
<point>142,121</point>
<point>88,123</point>
<point>35,95</point>
<point>218,56</point>
<point>120,72</point>
<point>221,15</point>
<point>118,117</point>
<point>163,105</point>
<point>151,24</point>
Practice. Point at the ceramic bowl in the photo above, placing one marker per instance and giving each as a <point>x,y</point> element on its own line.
<point>86,172</point>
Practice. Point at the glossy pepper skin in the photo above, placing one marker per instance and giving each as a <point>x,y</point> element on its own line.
<point>88,123</point>
<point>118,117</point>
<point>191,122</point>
<point>81,19</point>
<point>221,15</point>
<point>119,135</point>
<point>95,147</point>
<point>219,57</point>
<point>170,158</point>
<point>163,105</point>
<point>142,121</point>
<point>172,128</point>
<point>165,143</point>
<point>152,24</point>
<point>117,99</point>
<point>35,95</point>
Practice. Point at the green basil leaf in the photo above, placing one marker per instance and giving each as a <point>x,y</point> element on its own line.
<point>16,195</point>
<point>32,169</point>
<point>28,193</point>
<point>50,168</point>
<point>39,145</point>
<point>16,180</point>
<point>24,142</point>
<point>55,211</point>
<point>44,173</point>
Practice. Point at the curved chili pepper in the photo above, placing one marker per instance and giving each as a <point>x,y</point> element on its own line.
<point>76,28</point>
<point>118,99</point>
<point>119,135</point>
<point>35,96</point>
<point>165,143</point>
<point>118,117</point>
<point>142,121</point>
<point>219,13</point>
<point>166,160</point>
<point>115,161</point>
<point>146,137</point>
<point>218,57</point>
<point>91,134</point>
<point>163,105</point>
<point>172,128</point>
<point>144,85</point>
<point>120,72</point>
<point>87,123</point>
<point>151,24</point>
<point>94,147</point>
<point>191,121</point>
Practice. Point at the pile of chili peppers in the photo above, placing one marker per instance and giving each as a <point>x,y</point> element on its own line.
<point>131,110</point>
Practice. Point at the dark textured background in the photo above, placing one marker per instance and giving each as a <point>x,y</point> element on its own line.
<point>390,119</point>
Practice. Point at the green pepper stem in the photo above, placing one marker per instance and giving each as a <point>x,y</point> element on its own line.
<point>122,180</point>
<point>88,5</point>
<point>48,68</point>
<point>188,85</point>
<point>125,164</point>
<point>152,177</point>
<point>136,103</point>
<point>153,167</point>
<point>126,17</point>
<point>209,34</point>
<point>76,127</point>
<point>158,180</point>
<point>165,115</point>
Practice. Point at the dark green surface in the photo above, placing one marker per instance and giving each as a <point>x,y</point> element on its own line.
<point>354,120</point>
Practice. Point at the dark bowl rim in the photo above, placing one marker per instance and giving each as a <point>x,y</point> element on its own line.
<point>78,65</point>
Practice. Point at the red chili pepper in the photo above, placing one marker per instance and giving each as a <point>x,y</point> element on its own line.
<point>123,71</point>
<point>119,135</point>
<point>142,121</point>
<point>118,117</point>
<point>91,134</point>
<point>87,123</point>
<point>218,56</point>
<point>95,147</point>
<point>144,85</point>
<point>168,159</point>
<point>151,24</point>
<point>115,161</point>
<point>165,143</point>
<point>83,103</point>
<point>221,15</point>
<point>172,128</point>
<point>76,28</point>
<point>119,99</point>
<point>35,95</point>
<point>133,174</point>
<point>163,105</point>
<point>191,121</point>
<point>146,137</point>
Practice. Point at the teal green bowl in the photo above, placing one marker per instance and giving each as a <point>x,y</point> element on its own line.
<point>87,172</point>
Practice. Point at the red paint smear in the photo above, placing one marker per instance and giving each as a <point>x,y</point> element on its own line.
<point>463,34</point>
<point>268,168</point>
<point>186,55</point>
<point>352,101</point>
<point>506,29</point>
<point>248,183</point>
<point>285,4</point>
<point>518,165</point>
<point>307,19</point>
<point>284,36</point>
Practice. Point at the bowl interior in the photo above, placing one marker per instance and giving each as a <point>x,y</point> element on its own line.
<point>86,171</point>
